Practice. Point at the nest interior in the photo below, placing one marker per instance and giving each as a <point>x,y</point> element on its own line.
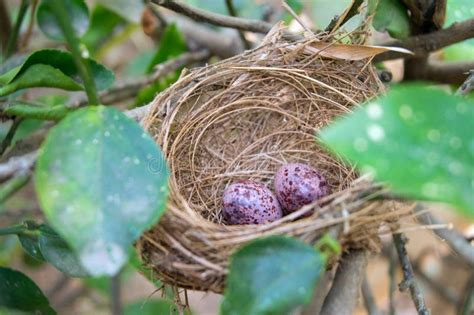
<point>242,118</point>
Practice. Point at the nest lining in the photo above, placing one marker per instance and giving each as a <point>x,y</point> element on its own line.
<point>242,118</point>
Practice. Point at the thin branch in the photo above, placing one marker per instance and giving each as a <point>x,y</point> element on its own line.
<point>369,301</point>
<point>213,18</point>
<point>6,142</point>
<point>343,296</point>
<point>17,165</point>
<point>421,45</point>
<point>13,185</point>
<point>130,89</point>
<point>467,303</point>
<point>320,293</point>
<point>392,272</point>
<point>115,295</point>
<point>5,25</point>
<point>296,17</point>
<point>233,12</point>
<point>441,72</point>
<point>31,24</point>
<point>409,281</point>
<point>13,37</point>
<point>456,241</point>
<point>467,85</point>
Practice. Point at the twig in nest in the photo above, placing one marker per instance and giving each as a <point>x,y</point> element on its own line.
<point>455,240</point>
<point>342,297</point>
<point>467,85</point>
<point>409,281</point>
<point>369,301</point>
<point>296,17</point>
<point>213,18</point>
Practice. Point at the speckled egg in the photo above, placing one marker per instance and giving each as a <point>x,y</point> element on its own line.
<point>297,185</point>
<point>249,202</point>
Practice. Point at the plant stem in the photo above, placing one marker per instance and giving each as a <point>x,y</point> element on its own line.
<point>13,185</point>
<point>12,40</point>
<point>9,137</point>
<point>14,229</point>
<point>26,110</point>
<point>82,64</point>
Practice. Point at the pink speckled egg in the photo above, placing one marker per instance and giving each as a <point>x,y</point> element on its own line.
<point>249,202</point>
<point>297,185</point>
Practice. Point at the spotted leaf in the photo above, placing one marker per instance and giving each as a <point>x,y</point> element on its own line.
<point>417,139</point>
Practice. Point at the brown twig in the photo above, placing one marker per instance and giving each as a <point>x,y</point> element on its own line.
<point>213,18</point>
<point>409,281</point>
<point>422,45</point>
<point>467,85</point>
<point>129,89</point>
<point>456,241</point>
<point>342,297</point>
<point>369,301</point>
<point>233,12</point>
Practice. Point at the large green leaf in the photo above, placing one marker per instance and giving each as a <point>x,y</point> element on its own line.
<point>40,75</point>
<point>391,16</point>
<point>271,276</point>
<point>417,139</point>
<point>151,307</point>
<point>101,182</point>
<point>19,293</point>
<point>61,61</point>
<point>78,15</point>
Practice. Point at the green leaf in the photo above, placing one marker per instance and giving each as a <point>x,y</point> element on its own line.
<point>20,109</point>
<point>19,293</point>
<point>78,15</point>
<point>57,252</point>
<point>103,24</point>
<point>29,242</point>
<point>130,10</point>
<point>417,139</point>
<point>101,181</point>
<point>151,307</point>
<point>271,275</point>
<point>40,75</point>
<point>172,44</point>
<point>458,11</point>
<point>392,16</point>
<point>62,61</point>
<point>323,11</point>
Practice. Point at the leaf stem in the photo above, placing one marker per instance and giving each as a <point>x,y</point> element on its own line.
<point>9,137</point>
<point>26,110</point>
<point>14,229</point>
<point>82,63</point>
<point>13,185</point>
<point>12,40</point>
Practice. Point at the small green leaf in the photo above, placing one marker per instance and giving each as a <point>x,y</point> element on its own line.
<point>172,44</point>
<point>417,139</point>
<point>20,109</point>
<point>58,253</point>
<point>151,307</point>
<point>78,15</point>
<point>64,62</point>
<point>19,293</point>
<point>392,16</point>
<point>40,75</point>
<point>101,181</point>
<point>271,275</point>
<point>29,242</point>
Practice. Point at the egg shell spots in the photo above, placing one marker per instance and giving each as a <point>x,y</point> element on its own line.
<point>249,202</point>
<point>297,185</point>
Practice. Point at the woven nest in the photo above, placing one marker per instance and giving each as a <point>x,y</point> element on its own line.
<point>242,118</point>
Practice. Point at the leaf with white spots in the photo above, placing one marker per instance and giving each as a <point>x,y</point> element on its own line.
<point>272,275</point>
<point>101,181</point>
<point>419,140</point>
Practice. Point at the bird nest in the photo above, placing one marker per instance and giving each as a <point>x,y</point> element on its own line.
<point>242,118</point>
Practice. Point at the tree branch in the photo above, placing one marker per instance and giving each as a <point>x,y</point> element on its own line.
<point>233,12</point>
<point>321,291</point>
<point>130,89</point>
<point>213,18</point>
<point>342,297</point>
<point>409,281</point>
<point>456,241</point>
<point>441,72</point>
<point>368,297</point>
<point>17,165</point>
<point>422,45</point>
